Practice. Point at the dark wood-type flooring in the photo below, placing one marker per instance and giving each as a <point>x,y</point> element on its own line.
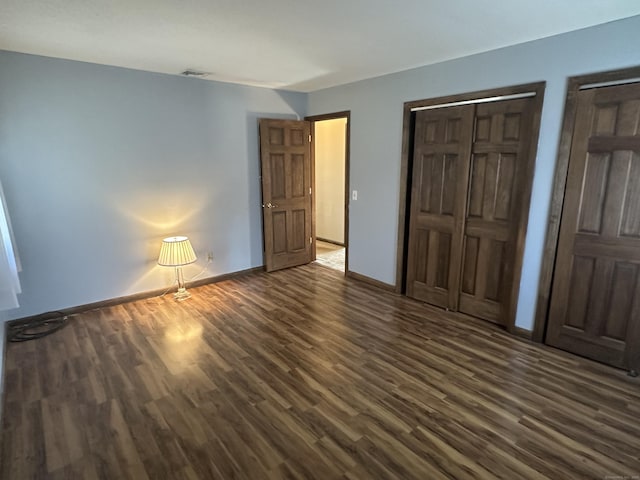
<point>305,374</point>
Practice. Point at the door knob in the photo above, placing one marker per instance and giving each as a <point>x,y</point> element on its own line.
<point>269,205</point>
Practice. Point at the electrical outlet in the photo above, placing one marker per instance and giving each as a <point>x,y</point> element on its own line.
<point>209,257</point>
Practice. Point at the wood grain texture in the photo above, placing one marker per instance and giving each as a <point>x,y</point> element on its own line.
<point>285,166</point>
<point>438,199</point>
<point>595,301</point>
<point>499,184</point>
<point>559,183</point>
<point>471,168</point>
<point>303,373</point>
<point>508,137</point>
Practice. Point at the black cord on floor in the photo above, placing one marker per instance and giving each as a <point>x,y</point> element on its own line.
<point>37,327</point>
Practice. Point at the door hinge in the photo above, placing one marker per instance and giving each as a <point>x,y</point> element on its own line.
<point>309,190</point>
<point>310,240</point>
<point>309,138</point>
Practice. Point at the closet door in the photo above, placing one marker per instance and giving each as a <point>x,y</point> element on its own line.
<point>469,180</point>
<point>442,148</point>
<point>595,300</point>
<point>499,160</point>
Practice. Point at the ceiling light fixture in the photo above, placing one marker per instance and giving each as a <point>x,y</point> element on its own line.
<point>189,72</point>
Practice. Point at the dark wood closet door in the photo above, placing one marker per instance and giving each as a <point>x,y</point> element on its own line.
<point>285,154</point>
<point>500,156</point>
<point>595,301</point>
<point>440,174</point>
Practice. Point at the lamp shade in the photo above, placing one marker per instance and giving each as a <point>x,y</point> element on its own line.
<point>176,251</point>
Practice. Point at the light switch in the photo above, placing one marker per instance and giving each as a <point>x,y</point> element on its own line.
<point>354,195</point>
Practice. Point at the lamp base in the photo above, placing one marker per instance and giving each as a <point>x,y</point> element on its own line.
<point>181,294</point>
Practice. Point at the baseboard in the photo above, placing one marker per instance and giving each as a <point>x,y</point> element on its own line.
<point>371,281</point>
<point>142,295</point>
<point>330,241</point>
<point>224,276</point>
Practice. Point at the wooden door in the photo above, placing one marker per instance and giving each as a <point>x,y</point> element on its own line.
<point>469,181</point>
<point>595,300</point>
<point>442,146</point>
<point>499,161</point>
<point>285,155</point>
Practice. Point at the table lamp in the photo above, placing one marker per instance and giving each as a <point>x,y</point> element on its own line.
<point>176,252</point>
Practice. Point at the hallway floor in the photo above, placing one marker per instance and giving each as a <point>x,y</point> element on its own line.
<point>330,255</point>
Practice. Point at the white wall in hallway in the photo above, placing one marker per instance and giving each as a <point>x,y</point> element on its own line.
<point>330,146</point>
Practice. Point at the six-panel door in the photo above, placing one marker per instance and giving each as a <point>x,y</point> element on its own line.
<point>285,154</point>
<point>500,150</point>
<point>595,301</point>
<point>468,182</point>
<point>440,178</point>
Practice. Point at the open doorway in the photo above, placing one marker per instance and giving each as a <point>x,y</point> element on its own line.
<point>331,166</point>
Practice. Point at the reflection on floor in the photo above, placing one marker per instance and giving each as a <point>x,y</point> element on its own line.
<point>330,255</point>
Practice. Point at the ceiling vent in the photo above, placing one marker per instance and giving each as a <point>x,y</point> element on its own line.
<point>194,73</point>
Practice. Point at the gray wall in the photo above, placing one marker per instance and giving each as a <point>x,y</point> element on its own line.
<point>100,163</point>
<point>376,125</point>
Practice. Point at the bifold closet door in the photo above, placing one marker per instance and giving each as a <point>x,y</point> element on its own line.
<point>469,165</point>
<point>500,151</point>
<point>442,146</point>
<point>595,300</point>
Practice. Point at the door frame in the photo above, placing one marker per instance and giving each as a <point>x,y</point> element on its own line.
<point>406,167</point>
<point>575,84</point>
<point>318,118</point>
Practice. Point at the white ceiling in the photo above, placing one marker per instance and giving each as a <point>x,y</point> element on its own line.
<point>290,44</point>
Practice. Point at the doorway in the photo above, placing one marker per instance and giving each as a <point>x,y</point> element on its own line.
<point>331,198</point>
<point>293,188</point>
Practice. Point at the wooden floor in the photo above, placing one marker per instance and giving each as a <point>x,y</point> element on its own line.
<point>305,374</point>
